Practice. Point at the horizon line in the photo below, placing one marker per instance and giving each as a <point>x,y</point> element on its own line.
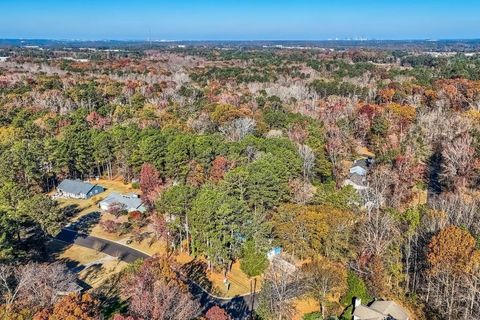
<point>240,40</point>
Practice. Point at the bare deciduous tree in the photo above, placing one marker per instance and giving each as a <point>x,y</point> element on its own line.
<point>377,232</point>
<point>34,285</point>
<point>308,157</point>
<point>238,128</point>
<point>457,162</point>
<point>282,285</point>
<point>156,293</point>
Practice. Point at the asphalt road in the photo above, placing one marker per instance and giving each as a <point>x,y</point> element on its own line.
<point>236,307</point>
<point>111,248</point>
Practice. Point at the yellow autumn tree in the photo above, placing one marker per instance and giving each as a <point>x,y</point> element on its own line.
<point>451,250</point>
<point>308,230</point>
<point>325,281</point>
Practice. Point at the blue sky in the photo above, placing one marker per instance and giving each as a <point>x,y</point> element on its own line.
<point>239,20</point>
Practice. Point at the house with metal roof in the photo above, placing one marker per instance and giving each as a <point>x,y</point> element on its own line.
<point>78,189</point>
<point>130,201</point>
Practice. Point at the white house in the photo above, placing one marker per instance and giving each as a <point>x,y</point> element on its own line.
<point>130,201</point>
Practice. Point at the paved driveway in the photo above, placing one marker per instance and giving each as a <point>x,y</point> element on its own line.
<point>111,248</point>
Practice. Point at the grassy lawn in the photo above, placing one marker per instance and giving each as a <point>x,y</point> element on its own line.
<point>212,281</point>
<point>239,282</point>
<point>98,231</point>
<point>96,275</point>
<point>94,267</point>
<point>364,152</point>
<point>305,306</point>
<point>72,254</point>
<point>81,255</point>
<point>148,245</point>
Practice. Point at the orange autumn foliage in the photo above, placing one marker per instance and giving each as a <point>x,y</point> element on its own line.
<point>451,250</point>
<point>71,307</point>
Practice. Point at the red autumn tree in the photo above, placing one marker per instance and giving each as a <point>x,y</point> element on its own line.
<point>97,121</point>
<point>116,209</point>
<point>150,183</point>
<point>218,169</point>
<point>160,228</point>
<point>217,313</point>
<point>156,293</point>
<point>298,133</point>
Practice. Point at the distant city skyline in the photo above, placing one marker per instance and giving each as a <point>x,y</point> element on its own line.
<point>231,20</point>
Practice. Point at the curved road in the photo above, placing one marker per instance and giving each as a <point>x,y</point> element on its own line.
<point>237,307</point>
<point>114,249</point>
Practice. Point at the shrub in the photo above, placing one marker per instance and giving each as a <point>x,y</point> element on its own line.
<point>110,226</point>
<point>313,316</point>
<point>135,215</point>
<point>124,228</point>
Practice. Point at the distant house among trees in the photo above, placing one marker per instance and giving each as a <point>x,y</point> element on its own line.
<point>378,310</point>
<point>130,202</point>
<point>357,177</point>
<point>78,189</point>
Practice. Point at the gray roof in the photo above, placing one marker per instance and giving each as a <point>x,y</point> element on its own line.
<point>357,179</point>
<point>75,186</point>
<point>131,200</point>
<point>361,163</point>
<point>380,310</point>
<point>365,313</point>
<point>389,308</point>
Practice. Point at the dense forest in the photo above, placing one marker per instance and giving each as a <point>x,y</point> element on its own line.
<point>239,151</point>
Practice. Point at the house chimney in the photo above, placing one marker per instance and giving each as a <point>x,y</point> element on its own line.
<point>356,302</point>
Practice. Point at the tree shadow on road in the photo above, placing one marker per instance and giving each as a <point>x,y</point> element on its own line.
<point>237,308</point>
<point>197,271</point>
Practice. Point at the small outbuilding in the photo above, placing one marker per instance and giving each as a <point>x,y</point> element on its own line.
<point>78,189</point>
